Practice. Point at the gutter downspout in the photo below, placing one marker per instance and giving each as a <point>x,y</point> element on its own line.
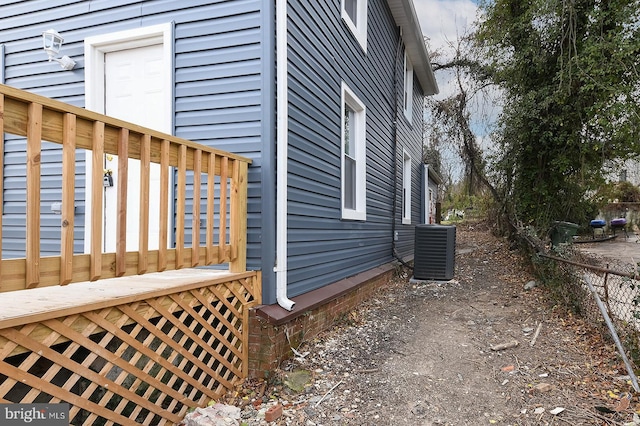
<point>396,98</point>
<point>394,251</point>
<point>426,201</point>
<point>282,118</point>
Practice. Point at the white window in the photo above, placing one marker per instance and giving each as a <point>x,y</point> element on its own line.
<point>408,88</point>
<point>406,188</point>
<point>353,164</point>
<point>354,14</point>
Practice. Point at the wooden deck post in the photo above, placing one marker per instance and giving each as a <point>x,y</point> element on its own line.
<point>238,226</point>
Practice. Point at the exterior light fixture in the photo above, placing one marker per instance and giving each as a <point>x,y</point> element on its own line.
<point>52,42</point>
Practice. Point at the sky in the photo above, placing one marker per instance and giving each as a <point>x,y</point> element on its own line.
<point>444,20</point>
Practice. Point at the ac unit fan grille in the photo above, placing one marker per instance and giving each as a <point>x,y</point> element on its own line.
<point>434,252</point>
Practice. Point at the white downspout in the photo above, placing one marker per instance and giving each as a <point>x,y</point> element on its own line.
<point>282,118</point>
<point>427,201</point>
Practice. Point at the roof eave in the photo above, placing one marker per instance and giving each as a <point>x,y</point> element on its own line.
<point>434,176</point>
<point>405,16</point>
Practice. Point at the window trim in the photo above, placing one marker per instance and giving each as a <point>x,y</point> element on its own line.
<point>407,98</point>
<point>350,99</point>
<point>358,28</point>
<point>406,188</point>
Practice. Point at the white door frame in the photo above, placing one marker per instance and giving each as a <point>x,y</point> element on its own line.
<point>94,50</point>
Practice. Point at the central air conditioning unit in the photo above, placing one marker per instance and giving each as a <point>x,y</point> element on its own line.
<point>435,252</point>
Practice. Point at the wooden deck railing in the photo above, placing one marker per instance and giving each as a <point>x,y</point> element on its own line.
<point>224,176</point>
<point>132,350</point>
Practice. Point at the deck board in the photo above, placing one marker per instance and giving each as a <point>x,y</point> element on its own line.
<point>40,304</point>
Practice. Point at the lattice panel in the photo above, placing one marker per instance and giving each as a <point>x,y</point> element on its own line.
<point>145,362</point>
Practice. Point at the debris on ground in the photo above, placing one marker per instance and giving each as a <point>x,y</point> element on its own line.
<point>419,353</point>
<point>213,415</point>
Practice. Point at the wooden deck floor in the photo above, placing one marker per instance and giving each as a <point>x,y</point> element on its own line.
<point>40,304</point>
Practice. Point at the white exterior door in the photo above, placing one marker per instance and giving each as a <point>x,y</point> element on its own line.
<point>128,75</point>
<point>133,92</point>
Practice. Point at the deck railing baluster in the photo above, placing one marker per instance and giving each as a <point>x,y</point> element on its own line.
<point>195,226</point>
<point>34,147</point>
<point>222,233</point>
<point>164,205</point>
<point>68,198</point>
<point>121,202</point>
<point>180,205</point>
<point>96,200</point>
<point>210,207</point>
<point>143,227</point>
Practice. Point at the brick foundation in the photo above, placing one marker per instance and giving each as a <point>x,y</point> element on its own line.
<point>273,330</point>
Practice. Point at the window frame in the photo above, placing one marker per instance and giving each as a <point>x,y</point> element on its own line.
<point>406,187</point>
<point>358,28</point>
<point>359,132</point>
<point>407,98</point>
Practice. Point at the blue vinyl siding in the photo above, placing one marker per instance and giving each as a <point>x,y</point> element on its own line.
<point>224,88</point>
<point>218,89</point>
<point>323,53</point>
<point>14,208</point>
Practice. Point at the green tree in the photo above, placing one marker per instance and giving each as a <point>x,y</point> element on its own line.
<point>569,72</point>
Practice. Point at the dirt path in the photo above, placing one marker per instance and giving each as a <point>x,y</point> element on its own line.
<point>421,354</point>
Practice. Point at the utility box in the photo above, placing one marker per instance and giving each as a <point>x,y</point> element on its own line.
<point>435,252</point>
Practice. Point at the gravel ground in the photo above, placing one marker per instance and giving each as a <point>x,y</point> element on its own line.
<point>429,353</point>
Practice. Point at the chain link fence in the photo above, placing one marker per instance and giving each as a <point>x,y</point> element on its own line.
<point>605,292</point>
